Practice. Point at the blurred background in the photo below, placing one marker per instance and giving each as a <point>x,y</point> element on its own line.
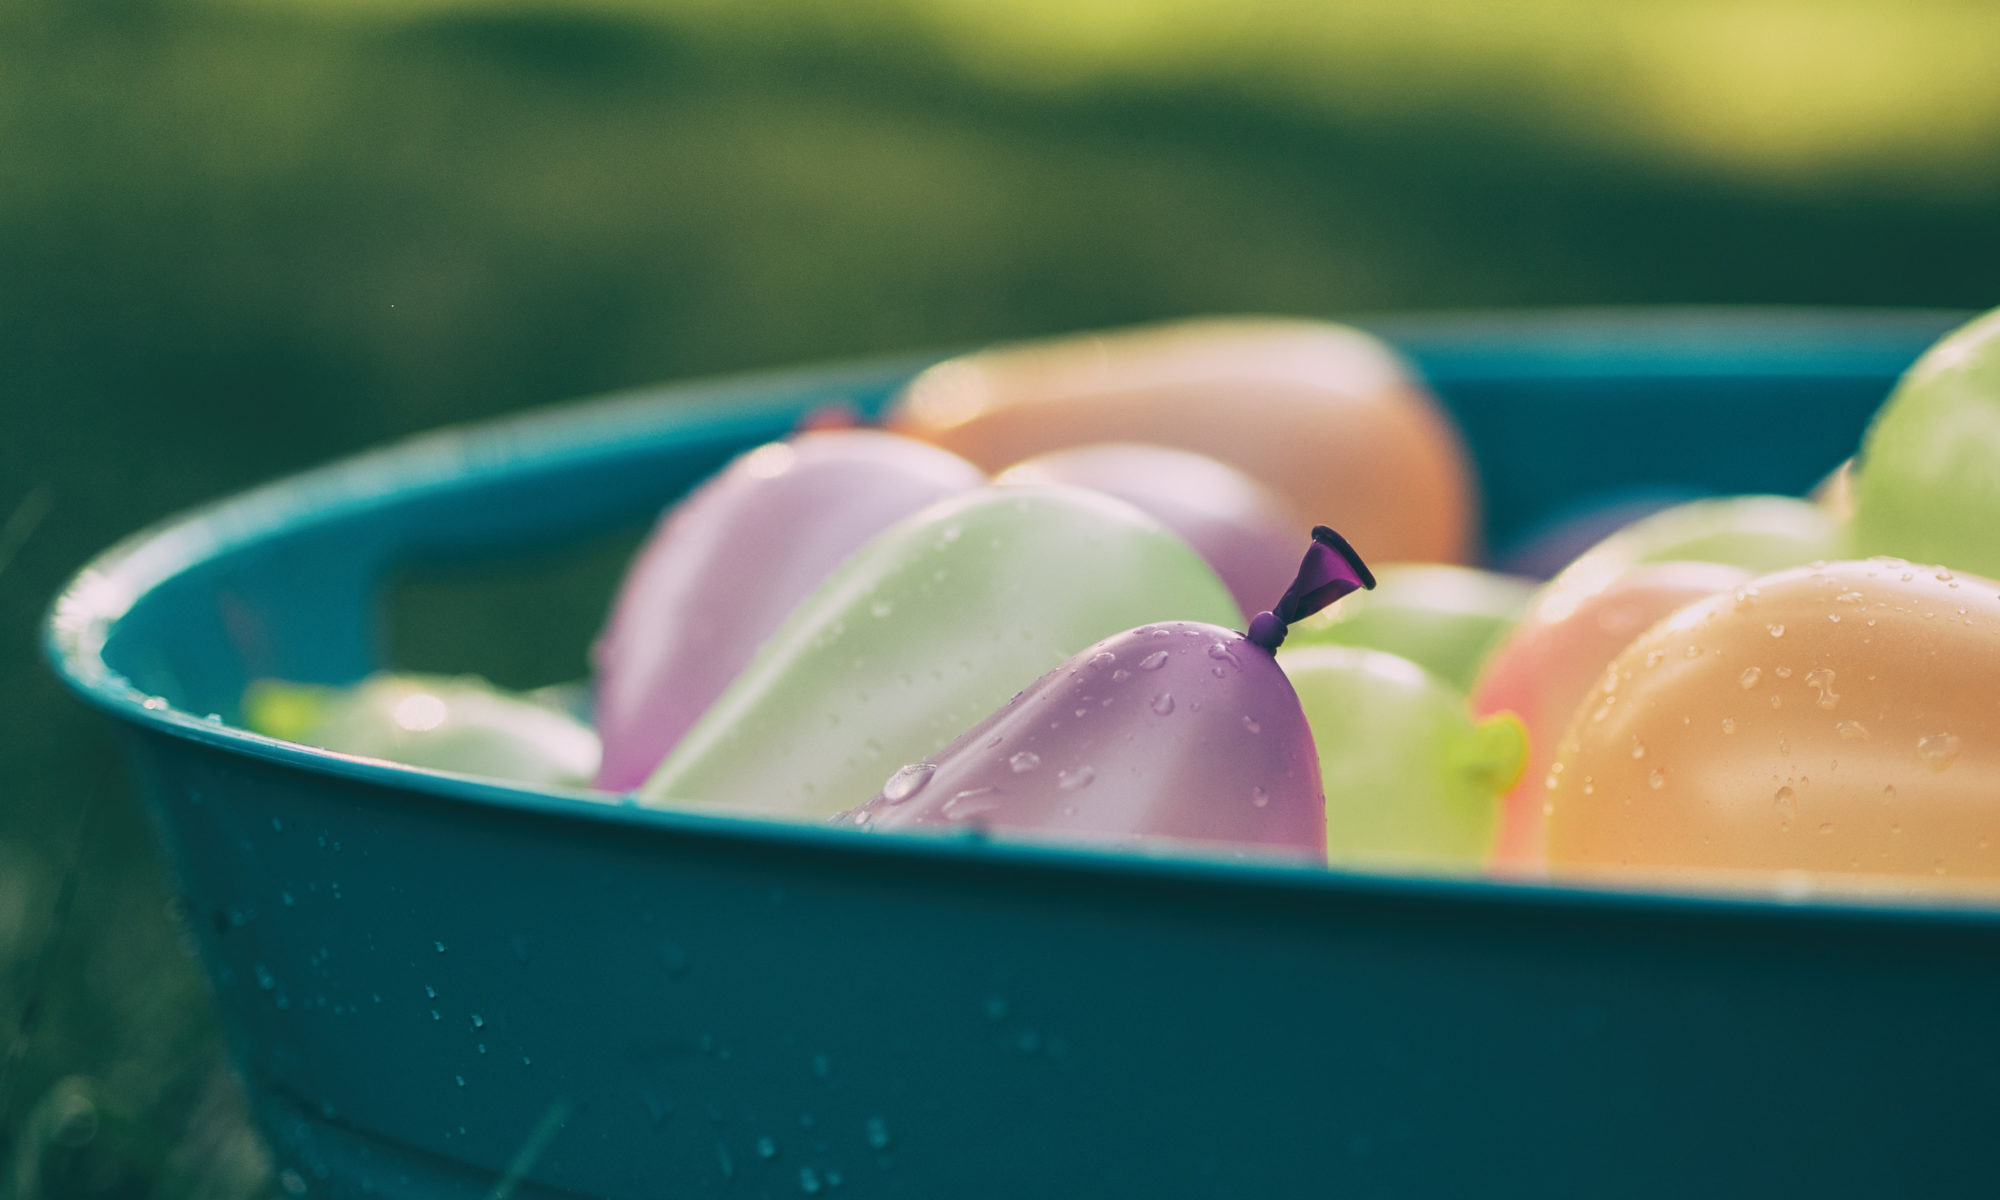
<point>238,238</point>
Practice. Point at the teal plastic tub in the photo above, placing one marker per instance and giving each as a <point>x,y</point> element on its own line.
<point>437,986</point>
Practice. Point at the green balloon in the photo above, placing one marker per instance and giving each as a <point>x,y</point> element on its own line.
<point>1412,779</point>
<point>462,724</point>
<point>1927,487</point>
<point>1758,533</point>
<point>1441,617</point>
<point>923,631</point>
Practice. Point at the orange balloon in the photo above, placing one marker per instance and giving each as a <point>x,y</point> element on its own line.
<point>1328,417</point>
<point>1838,725</point>
<point>1541,672</point>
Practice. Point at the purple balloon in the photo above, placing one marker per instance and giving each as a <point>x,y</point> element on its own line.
<point>1181,730</point>
<point>1245,533</point>
<point>728,564</point>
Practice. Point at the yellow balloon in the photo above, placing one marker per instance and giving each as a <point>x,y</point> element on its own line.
<point>1836,724</point>
<point>1326,416</point>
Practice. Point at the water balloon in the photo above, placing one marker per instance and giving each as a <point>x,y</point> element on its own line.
<point>923,631</point>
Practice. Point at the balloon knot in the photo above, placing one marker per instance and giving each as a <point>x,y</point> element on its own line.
<point>1267,630</point>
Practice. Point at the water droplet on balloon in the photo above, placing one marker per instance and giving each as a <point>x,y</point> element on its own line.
<point>1821,679</point>
<point>1163,703</point>
<point>809,1181</point>
<point>1938,750</point>
<point>878,1133</point>
<point>767,1148</point>
<point>1024,761</point>
<point>1776,631</point>
<point>1259,797</point>
<point>1070,781</point>
<point>1729,724</point>
<point>1787,801</point>
<point>1638,748</point>
<point>1748,679</point>
<point>1103,660</point>
<point>881,608</point>
<point>1154,661</point>
<point>971,803</point>
<point>1655,657</point>
<point>907,782</point>
<point>1120,675</point>
<point>1851,731</point>
<point>1658,779</point>
<point>1691,652</point>
<point>1250,723</point>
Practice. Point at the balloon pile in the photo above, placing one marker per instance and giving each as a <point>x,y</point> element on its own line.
<point>1059,595</point>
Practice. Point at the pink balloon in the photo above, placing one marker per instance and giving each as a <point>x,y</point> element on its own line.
<point>1559,651</point>
<point>1178,731</point>
<point>725,566</point>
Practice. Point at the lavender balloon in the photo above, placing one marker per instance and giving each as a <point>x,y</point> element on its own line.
<point>1241,529</point>
<point>1178,730</point>
<point>729,563</point>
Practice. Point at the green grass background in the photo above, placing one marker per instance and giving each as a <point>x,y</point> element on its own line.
<point>238,239</point>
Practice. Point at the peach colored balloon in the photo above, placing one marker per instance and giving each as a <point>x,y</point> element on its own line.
<point>1836,726</point>
<point>1327,416</point>
<point>1543,669</point>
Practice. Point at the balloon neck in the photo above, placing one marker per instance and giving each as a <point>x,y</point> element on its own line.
<point>1331,569</point>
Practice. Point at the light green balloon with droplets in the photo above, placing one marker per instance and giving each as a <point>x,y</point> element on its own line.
<point>921,633</point>
<point>1927,486</point>
<point>1758,533</point>
<point>446,723</point>
<point>1413,780</point>
<point>1442,617</point>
